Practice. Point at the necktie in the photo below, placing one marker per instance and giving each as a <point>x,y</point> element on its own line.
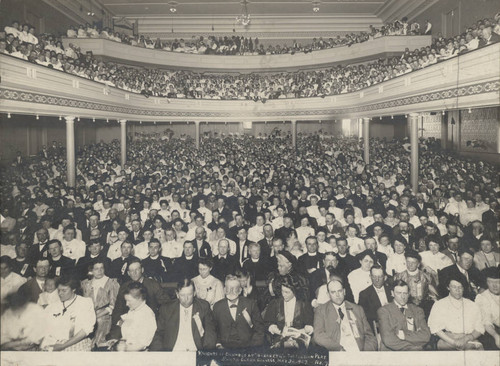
<point>402,309</point>
<point>341,314</point>
<point>233,306</point>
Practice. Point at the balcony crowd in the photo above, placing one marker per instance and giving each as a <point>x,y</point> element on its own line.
<point>47,50</point>
<point>239,45</point>
<point>249,243</point>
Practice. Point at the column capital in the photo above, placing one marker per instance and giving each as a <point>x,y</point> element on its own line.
<point>70,119</point>
<point>293,121</point>
<point>122,121</point>
<point>366,119</point>
<point>414,114</point>
<point>197,122</point>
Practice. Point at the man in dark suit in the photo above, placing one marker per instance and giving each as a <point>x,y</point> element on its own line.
<point>135,236</point>
<point>490,219</point>
<point>242,245</point>
<point>375,296</point>
<point>185,324</point>
<point>257,265</point>
<point>224,263</point>
<point>187,265</point>
<point>156,266</point>
<point>465,270</point>
<point>331,266</point>
<point>32,289</point>
<point>380,258</point>
<point>340,325</point>
<point>332,227</point>
<point>94,252</point>
<point>404,235</point>
<point>201,246</point>
<point>266,244</point>
<point>40,250</point>
<point>402,325</point>
<point>420,205</point>
<point>237,318</point>
<point>239,224</point>
<point>346,260</point>
<point>119,266</point>
<point>488,37</point>
<point>286,230</point>
<point>59,264</point>
<point>156,296</point>
<point>451,251</point>
<point>312,260</point>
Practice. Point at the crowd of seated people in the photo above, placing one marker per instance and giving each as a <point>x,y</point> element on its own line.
<point>48,51</point>
<point>239,45</point>
<point>249,242</point>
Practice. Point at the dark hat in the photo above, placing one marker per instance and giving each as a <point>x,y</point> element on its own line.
<point>289,256</point>
<point>492,272</point>
<point>466,250</point>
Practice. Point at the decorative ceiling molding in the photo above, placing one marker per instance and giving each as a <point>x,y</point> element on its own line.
<point>411,101</point>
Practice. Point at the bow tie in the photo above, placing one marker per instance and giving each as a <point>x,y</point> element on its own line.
<point>233,306</point>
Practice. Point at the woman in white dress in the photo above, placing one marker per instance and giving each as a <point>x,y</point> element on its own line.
<point>207,286</point>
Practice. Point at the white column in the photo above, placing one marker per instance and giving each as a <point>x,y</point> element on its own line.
<point>413,120</point>
<point>197,133</point>
<point>123,142</point>
<point>366,140</point>
<point>70,150</point>
<point>294,133</point>
<point>360,127</point>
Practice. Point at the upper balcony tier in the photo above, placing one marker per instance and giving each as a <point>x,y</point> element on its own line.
<point>467,81</point>
<point>369,50</point>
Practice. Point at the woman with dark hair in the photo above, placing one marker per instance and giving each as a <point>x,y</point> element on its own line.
<point>288,318</point>
<point>206,285</point>
<point>103,292</point>
<point>70,321</point>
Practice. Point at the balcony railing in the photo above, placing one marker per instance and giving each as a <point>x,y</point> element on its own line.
<point>466,81</point>
<point>378,47</point>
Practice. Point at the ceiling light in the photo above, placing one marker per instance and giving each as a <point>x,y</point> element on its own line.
<point>470,110</point>
<point>107,120</point>
<point>93,119</point>
<point>8,115</point>
<point>173,10</point>
<point>60,118</point>
<point>244,17</point>
<point>37,116</point>
<point>316,9</point>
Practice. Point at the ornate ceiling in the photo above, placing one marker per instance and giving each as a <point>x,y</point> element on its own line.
<point>200,16</point>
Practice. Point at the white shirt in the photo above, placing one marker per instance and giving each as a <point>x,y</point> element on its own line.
<point>436,261</point>
<point>256,233</point>
<point>79,316</point>
<point>456,316</point>
<point>396,262</point>
<point>382,296</point>
<point>359,280</point>
<point>141,250</point>
<point>139,327</point>
<point>114,250</point>
<point>10,284</point>
<point>74,249</point>
<point>347,338</point>
<point>289,311</point>
<point>387,250</point>
<point>171,249</point>
<point>30,323</point>
<point>185,340</point>
<point>490,308</point>
<point>356,245</point>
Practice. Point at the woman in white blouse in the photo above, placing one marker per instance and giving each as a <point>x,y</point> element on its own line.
<point>433,260</point>
<point>304,230</point>
<point>207,286</point>
<point>70,321</point>
<point>396,263</point>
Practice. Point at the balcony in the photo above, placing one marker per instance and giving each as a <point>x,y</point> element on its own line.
<point>380,47</point>
<point>470,80</point>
